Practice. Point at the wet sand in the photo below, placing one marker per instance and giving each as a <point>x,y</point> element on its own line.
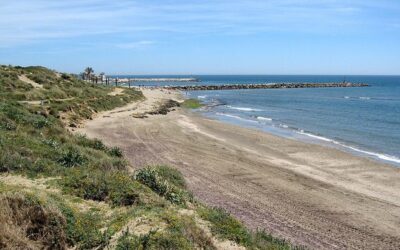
<point>312,195</point>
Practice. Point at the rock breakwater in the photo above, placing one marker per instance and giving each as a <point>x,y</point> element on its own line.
<point>266,86</point>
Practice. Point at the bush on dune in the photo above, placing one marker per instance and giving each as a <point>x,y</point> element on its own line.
<point>225,226</point>
<point>117,188</point>
<point>162,180</point>
<point>83,228</point>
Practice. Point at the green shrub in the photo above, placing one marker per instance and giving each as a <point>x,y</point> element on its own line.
<point>7,124</point>
<point>181,233</point>
<point>117,188</point>
<point>123,190</point>
<point>153,240</point>
<point>71,157</point>
<point>119,163</point>
<point>264,241</point>
<point>149,177</point>
<point>90,143</point>
<point>83,228</point>
<point>40,122</point>
<point>116,152</point>
<point>51,142</point>
<point>166,240</point>
<point>66,76</point>
<point>12,161</point>
<point>171,175</point>
<point>129,242</point>
<point>162,180</point>
<point>225,226</point>
<point>89,185</point>
<point>186,227</point>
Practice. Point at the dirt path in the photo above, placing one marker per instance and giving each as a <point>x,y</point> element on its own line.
<point>312,195</point>
<point>116,91</point>
<point>29,81</point>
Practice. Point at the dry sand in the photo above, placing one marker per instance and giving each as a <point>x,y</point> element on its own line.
<point>312,195</point>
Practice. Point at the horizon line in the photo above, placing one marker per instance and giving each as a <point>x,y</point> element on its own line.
<point>170,74</point>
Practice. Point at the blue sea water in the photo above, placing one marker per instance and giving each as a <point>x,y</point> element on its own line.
<point>364,121</point>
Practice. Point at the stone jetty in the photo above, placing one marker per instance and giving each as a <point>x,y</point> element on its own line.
<point>126,80</point>
<point>266,86</point>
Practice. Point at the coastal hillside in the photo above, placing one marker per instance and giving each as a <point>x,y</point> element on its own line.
<point>61,190</point>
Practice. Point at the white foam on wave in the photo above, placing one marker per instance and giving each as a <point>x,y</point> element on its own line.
<point>261,118</point>
<point>364,98</point>
<point>347,97</point>
<point>316,136</point>
<point>244,109</point>
<point>380,156</point>
<point>235,117</point>
<point>202,96</point>
<point>284,125</point>
<point>377,155</point>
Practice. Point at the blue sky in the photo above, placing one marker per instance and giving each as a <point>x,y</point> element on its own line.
<point>203,36</point>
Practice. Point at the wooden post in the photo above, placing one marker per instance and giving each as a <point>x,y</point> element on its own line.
<point>116,82</point>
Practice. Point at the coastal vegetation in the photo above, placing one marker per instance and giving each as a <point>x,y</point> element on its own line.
<point>61,190</point>
<point>191,104</point>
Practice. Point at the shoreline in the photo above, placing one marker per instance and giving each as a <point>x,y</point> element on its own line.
<point>312,195</point>
<point>287,132</point>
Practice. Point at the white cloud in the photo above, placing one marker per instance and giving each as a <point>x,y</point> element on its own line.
<point>135,45</point>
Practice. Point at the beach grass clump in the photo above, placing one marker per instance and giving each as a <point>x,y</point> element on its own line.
<point>116,152</point>
<point>264,241</point>
<point>154,240</point>
<point>71,157</point>
<point>163,181</point>
<point>84,228</point>
<point>91,143</point>
<point>172,175</point>
<point>130,241</point>
<point>191,104</point>
<point>225,226</point>
<point>179,224</point>
<point>116,188</point>
<point>180,232</point>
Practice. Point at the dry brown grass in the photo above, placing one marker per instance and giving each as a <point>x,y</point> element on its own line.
<point>26,224</point>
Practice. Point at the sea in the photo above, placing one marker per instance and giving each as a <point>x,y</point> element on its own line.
<point>363,121</point>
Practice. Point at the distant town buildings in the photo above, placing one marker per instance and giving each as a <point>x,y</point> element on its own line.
<point>89,75</point>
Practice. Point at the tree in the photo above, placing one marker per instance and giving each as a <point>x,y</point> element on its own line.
<point>88,73</point>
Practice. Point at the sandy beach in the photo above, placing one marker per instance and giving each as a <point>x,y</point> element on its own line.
<point>312,195</point>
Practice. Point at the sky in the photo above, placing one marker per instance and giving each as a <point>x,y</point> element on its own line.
<point>342,37</point>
